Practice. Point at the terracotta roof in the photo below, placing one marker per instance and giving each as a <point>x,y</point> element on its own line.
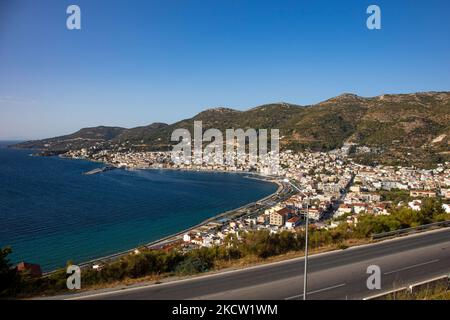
<point>34,269</point>
<point>360,204</point>
<point>284,212</point>
<point>294,219</point>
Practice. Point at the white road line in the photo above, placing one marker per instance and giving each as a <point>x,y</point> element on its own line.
<point>316,291</point>
<point>411,267</point>
<point>91,294</point>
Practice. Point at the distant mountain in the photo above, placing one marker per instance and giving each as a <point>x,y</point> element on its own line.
<point>398,128</point>
<point>84,138</point>
<point>404,128</point>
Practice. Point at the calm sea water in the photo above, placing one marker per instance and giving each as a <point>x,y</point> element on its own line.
<point>50,212</point>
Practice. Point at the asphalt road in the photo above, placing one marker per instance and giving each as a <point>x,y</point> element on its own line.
<point>335,275</point>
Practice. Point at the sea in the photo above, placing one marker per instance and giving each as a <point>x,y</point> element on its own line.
<point>50,212</point>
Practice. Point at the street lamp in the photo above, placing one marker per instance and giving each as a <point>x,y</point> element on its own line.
<point>305,275</point>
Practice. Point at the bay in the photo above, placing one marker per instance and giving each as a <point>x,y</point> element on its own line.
<point>51,213</point>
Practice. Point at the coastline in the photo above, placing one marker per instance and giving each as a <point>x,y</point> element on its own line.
<point>177,237</point>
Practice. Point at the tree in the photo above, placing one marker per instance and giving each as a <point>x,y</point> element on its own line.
<point>8,275</point>
<point>431,208</point>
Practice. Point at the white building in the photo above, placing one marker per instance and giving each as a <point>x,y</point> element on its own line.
<point>415,205</point>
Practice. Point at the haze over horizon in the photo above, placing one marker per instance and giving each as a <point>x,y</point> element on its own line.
<point>136,63</point>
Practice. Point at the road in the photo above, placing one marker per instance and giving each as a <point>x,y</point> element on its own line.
<point>339,274</point>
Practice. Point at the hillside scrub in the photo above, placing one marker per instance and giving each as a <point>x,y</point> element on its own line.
<point>261,244</point>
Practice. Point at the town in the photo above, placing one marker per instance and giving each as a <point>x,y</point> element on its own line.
<point>336,189</point>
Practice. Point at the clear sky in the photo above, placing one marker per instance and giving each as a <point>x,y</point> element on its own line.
<point>137,62</point>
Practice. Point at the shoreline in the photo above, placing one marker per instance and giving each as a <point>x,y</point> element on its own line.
<point>175,237</point>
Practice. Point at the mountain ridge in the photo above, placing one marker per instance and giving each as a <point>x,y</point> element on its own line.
<point>411,128</point>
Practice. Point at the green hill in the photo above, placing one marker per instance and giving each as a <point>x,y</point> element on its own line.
<point>398,128</point>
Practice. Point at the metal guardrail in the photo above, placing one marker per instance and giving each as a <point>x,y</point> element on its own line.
<point>410,230</point>
<point>441,280</point>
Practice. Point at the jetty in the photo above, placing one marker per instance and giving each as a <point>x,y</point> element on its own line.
<point>99,170</point>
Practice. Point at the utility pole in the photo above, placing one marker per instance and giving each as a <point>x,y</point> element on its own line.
<point>305,275</point>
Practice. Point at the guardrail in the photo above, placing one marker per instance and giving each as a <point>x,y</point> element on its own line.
<point>444,281</point>
<point>410,230</point>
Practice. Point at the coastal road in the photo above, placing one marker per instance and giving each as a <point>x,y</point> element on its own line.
<point>334,275</point>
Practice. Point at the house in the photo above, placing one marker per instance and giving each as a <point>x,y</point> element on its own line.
<point>343,209</point>
<point>388,185</point>
<point>380,208</point>
<point>31,268</point>
<point>422,193</point>
<point>370,197</point>
<point>187,237</point>
<point>332,225</point>
<point>446,208</point>
<point>402,186</point>
<point>263,218</point>
<point>97,267</point>
<point>250,222</point>
<point>315,213</point>
<point>293,222</point>
<point>325,197</point>
<point>207,241</point>
<point>272,209</point>
<point>279,218</point>
<point>359,207</point>
<point>415,205</point>
<point>446,193</point>
<point>197,240</point>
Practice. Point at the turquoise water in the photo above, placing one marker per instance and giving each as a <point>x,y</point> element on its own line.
<point>50,212</point>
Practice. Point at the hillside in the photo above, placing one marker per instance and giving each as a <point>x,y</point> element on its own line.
<point>397,128</point>
<point>84,138</point>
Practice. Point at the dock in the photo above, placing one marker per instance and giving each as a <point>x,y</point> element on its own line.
<point>99,170</point>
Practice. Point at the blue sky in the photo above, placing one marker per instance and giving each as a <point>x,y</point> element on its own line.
<point>136,62</point>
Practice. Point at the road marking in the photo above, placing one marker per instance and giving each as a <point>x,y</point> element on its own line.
<point>112,291</point>
<point>411,267</point>
<point>317,291</point>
